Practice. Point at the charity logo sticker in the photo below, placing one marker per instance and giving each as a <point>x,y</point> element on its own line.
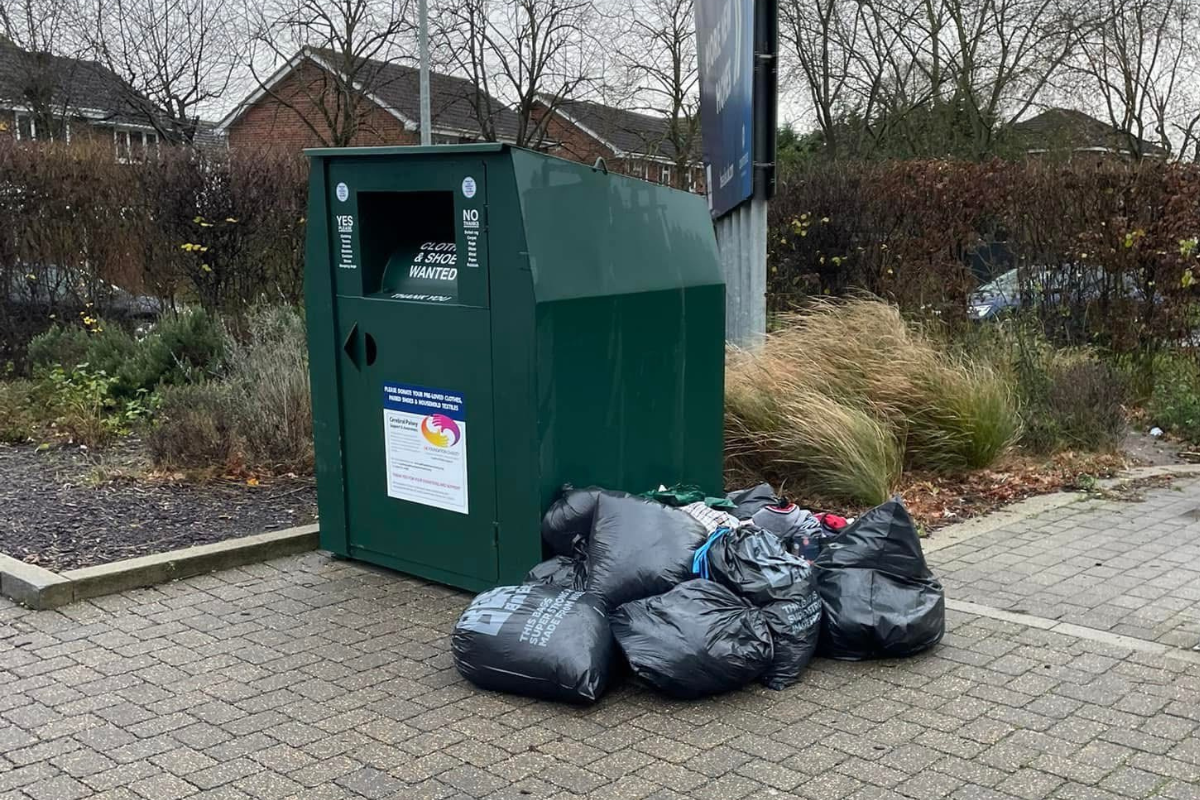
<point>468,187</point>
<point>440,431</point>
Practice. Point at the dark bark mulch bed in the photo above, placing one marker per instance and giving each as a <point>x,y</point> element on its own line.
<point>64,508</point>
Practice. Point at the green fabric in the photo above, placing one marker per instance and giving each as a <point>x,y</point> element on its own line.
<point>685,495</point>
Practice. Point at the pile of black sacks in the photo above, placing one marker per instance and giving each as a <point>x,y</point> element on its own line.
<point>695,611</point>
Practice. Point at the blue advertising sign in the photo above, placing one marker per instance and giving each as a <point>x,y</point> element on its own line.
<point>725,46</point>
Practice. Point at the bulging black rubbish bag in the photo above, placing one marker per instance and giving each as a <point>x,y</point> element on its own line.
<point>639,548</point>
<point>697,639</point>
<point>880,599</point>
<point>568,522</point>
<point>562,571</point>
<point>747,501</point>
<point>535,640</point>
<point>756,565</point>
<point>795,627</point>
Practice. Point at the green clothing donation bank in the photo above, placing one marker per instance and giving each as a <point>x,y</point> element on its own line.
<point>486,324</point>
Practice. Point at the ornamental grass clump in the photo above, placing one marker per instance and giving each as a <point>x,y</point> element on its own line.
<point>844,395</point>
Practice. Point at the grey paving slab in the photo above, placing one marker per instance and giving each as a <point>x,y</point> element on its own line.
<point>1131,569</point>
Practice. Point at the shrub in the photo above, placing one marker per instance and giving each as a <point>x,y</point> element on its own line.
<point>1174,404</point>
<point>269,376</point>
<point>194,427</point>
<point>1079,406</point>
<point>62,345</point>
<point>802,438</point>
<point>1071,398</point>
<point>258,416</point>
<point>841,395</point>
<point>16,416</point>
<point>81,403</point>
<point>181,348</point>
<point>925,233</point>
<point>949,411</point>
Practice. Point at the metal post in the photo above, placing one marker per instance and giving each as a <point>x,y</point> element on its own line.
<point>742,241</point>
<point>423,36</point>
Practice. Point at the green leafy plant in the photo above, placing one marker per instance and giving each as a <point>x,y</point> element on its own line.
<point>1174,404</point>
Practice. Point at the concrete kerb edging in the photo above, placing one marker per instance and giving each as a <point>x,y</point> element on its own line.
<point>1033,506</point>
<point>39,588</point>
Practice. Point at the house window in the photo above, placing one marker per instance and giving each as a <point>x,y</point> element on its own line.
<point>29,130</point>
<point>664,173</point>
<point>26,129</point>
<point>133,145</point>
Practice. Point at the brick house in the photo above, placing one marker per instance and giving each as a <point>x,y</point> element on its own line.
<point>44,97</point>
<point>630,143</point>
<point>1066,133</point>
<point>273,114</point>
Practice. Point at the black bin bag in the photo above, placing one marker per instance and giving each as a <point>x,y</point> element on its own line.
<point>639,548</point>
<point>748,501</point>
<point>880,599</point>
<point>756,565</point>
<point>697,639</point>
<point>562,571</point>
<point>535,640</point>
<point>568,522</point>
<point>795,627</point>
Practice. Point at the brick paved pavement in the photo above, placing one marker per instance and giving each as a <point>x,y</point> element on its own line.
<point>1132,569</point>
<point>311,678</point>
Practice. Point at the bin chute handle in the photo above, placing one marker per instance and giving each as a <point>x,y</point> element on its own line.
<point>600,165</point>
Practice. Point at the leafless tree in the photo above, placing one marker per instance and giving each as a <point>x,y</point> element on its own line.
<point>336,48</point>
<point>825,38</point>
<point>954,69</point>
<point>659,76</point>
<point>1005,53</point>
<point>37,33</point>
<point>530,54</point>
<point>176,56</point>
<point>1142,60</point>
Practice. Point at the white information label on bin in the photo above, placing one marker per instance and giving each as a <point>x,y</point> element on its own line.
<point>425,441</point>
<point>468,187</point>
<point>343,192</point>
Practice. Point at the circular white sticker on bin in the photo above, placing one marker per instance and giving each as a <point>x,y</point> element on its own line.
<point>343,191</point>
<point>468,187</point>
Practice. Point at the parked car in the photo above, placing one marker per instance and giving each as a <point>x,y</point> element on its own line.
<point>48,289</point>
<point>1069,285</point>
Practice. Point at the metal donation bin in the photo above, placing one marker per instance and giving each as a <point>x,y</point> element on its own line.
<point>487,323</point>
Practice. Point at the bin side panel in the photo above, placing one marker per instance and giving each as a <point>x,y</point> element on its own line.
<point>630,390</point>
<point>630,329</point>
<point>319,291</point>
<point>592,234</point>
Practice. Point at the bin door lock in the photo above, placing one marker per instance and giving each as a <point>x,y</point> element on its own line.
<point>351,345</point>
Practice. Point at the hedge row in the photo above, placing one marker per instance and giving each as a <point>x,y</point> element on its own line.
<point>219,229</point>
<point>926,233</point>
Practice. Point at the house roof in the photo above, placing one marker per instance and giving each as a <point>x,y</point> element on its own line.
<point>1065,128</point>
<point>624,132</point>
<point>87,88</point>
<point>397,88</point>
